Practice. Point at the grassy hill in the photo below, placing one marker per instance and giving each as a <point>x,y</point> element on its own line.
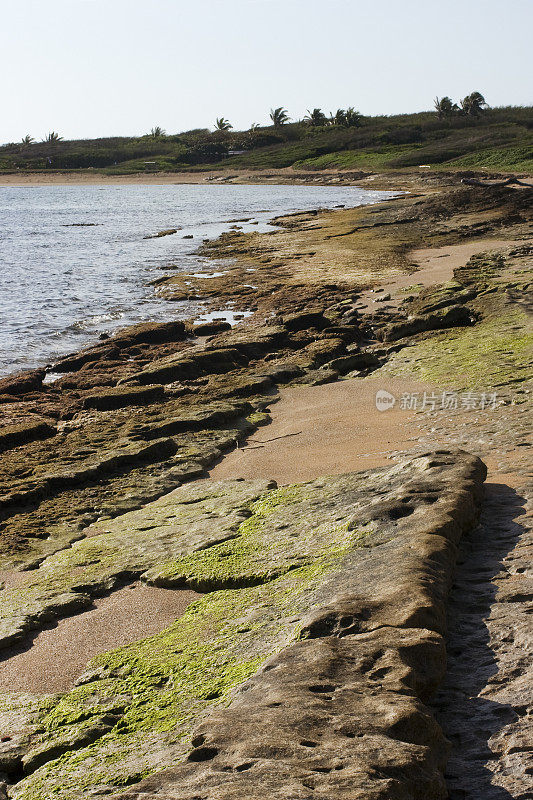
<point>500,140</point>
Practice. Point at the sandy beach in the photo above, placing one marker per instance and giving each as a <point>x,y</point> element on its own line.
<point>78,178</point>
<point>97,178</point>
<point>411,180</point>
<point>57,656</point>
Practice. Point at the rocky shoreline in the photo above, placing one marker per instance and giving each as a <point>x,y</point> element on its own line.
<point>306,666</point>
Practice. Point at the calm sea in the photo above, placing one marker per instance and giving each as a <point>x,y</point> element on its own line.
<point>74,263</point>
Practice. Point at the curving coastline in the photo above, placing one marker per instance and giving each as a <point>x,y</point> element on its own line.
<point>85,459</point>
<point>91,263</point>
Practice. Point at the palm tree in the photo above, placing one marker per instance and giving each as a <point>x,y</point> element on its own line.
<point>445,107</point>
<point>254,127</point>
<point>473,104</point>
<point>25,142</point>
<point>316,117</point>
<point>339,118</point>
<point>222,124</point>
<point>157,132</point>
<point>279,116</point>
<point>53,137</point>
<point>353,118</point>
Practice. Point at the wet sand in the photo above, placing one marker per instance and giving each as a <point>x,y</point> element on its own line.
<point>59,655</point>
<point>325,430</point>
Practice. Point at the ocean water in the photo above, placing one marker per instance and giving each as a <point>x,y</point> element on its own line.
<point>74,263</point>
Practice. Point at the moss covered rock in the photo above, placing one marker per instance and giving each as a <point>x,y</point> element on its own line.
<point>323,591</point>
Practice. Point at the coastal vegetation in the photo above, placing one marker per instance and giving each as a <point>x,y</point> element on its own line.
<point>279,116</point>
<point>157,132</point>
<point>473,105</point>
<point>223,124</point>
<point>465,136</point>
<point>52,138</point>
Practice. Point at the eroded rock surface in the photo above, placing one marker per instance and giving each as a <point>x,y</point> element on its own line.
<point>335,590</point>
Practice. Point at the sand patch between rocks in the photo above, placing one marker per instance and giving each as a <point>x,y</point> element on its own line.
<point>325,430</point>
<point>59,655</point>
<point>436,265</point>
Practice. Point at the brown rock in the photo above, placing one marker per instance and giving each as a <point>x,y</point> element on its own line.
<point>22,382</point>
<point>187,367</point>
<point>455,316</point>
<point>121,396</point>
<point>210,328</point>
<point>15,435</point>
<point>305,320</point>
<point>332,718</point>
<point>143,333</point>
<point>158,235</point>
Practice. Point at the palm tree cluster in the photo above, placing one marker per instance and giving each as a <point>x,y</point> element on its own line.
<point>346,118</point>
<point>445,107</point>
<point>316,117</point>
<point>472,105</point>
<point>50,138</point>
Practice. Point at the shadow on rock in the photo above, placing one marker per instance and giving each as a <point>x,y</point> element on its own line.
<point>477,654</point>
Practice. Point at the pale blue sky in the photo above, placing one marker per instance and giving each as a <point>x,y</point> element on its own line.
<point>117,67</point>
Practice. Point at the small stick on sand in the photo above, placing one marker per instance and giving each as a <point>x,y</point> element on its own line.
<point>274,438</point>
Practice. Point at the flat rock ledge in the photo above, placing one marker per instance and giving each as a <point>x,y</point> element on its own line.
<point>301,673</point>
<point>340,714</point>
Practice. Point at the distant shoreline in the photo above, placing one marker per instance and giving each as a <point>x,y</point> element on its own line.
<point>285,176</point>
<point>157,178</point>
<point>83,178</point>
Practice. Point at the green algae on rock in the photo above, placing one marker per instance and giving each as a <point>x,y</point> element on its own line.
<point>159,688</point>
<point>324,556</point>
<point>496,351</point>
<point>281,534</point>
<point>195,516</point>
<point>493,353</point>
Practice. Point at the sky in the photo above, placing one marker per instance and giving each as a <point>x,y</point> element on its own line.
<point>90,68</point>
